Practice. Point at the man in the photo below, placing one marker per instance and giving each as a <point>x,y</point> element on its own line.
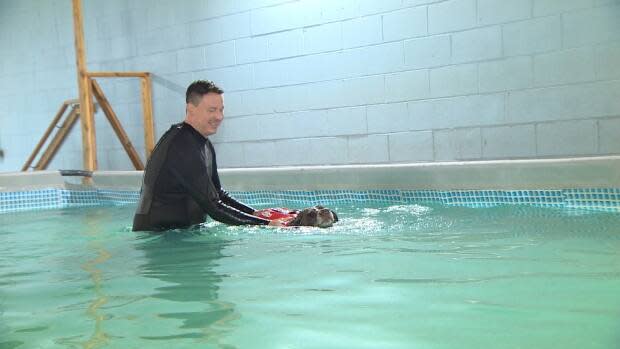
<point>181,185</point>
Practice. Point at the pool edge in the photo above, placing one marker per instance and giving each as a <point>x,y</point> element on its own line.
<point>588,183</point>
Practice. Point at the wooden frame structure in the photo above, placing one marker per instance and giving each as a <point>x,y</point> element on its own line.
<point>84,109</point>
<point>58,139</point>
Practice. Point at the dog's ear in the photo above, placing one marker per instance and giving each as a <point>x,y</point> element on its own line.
<point>335,216</point>
<point>296,222</point>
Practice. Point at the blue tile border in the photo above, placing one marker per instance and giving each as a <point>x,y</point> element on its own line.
<point>62,198</point>
<point>590,199</point>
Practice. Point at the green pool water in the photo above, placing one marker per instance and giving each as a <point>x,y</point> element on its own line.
<point>404,276</point>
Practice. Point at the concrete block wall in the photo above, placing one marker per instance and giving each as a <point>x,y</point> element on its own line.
<point>318,82</point>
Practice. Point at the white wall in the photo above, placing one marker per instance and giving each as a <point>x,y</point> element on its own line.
<point>312,82</point>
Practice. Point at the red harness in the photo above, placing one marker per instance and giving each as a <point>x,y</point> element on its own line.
<point>276,213</point>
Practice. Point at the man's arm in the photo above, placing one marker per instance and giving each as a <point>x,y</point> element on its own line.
<point>214,207</point>
<point>232,202</point>
<point>223,194</point>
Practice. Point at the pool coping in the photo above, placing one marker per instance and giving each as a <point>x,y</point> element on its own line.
<point>590,172</point>
<point>565,173</point>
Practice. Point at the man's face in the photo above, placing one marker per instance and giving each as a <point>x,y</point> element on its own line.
<point>208,114</point>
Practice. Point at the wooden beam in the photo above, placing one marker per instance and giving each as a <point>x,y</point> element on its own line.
<point>147,109</point>
<point>58,139</point>
<point>89,145</point>
<point>47,133</point>
<point>116,125</point>
<point>105,74</point>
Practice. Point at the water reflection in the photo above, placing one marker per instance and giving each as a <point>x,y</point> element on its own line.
<point>185,261</point>
<point>94,226</point>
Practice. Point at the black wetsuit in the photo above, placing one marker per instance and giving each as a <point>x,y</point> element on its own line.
<point>181,186</point>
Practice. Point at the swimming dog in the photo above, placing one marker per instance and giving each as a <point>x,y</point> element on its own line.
<point>316,216</point>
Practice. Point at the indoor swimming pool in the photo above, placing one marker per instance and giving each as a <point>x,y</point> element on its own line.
<point>385,276</point>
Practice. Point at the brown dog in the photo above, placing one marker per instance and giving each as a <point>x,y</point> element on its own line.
<point>317,216</point>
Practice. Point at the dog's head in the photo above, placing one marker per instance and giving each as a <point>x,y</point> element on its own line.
<point>317,216</point>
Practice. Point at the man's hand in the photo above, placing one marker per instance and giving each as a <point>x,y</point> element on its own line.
<point>280,222</point>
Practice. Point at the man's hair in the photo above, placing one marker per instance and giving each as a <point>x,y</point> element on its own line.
<point>199,88</point>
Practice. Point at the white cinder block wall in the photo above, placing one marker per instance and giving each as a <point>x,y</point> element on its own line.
<point>313,82</point>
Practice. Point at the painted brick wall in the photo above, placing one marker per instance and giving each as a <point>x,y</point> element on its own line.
<point>314,82</point>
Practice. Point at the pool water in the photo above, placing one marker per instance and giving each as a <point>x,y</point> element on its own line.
<point>386,276</point>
